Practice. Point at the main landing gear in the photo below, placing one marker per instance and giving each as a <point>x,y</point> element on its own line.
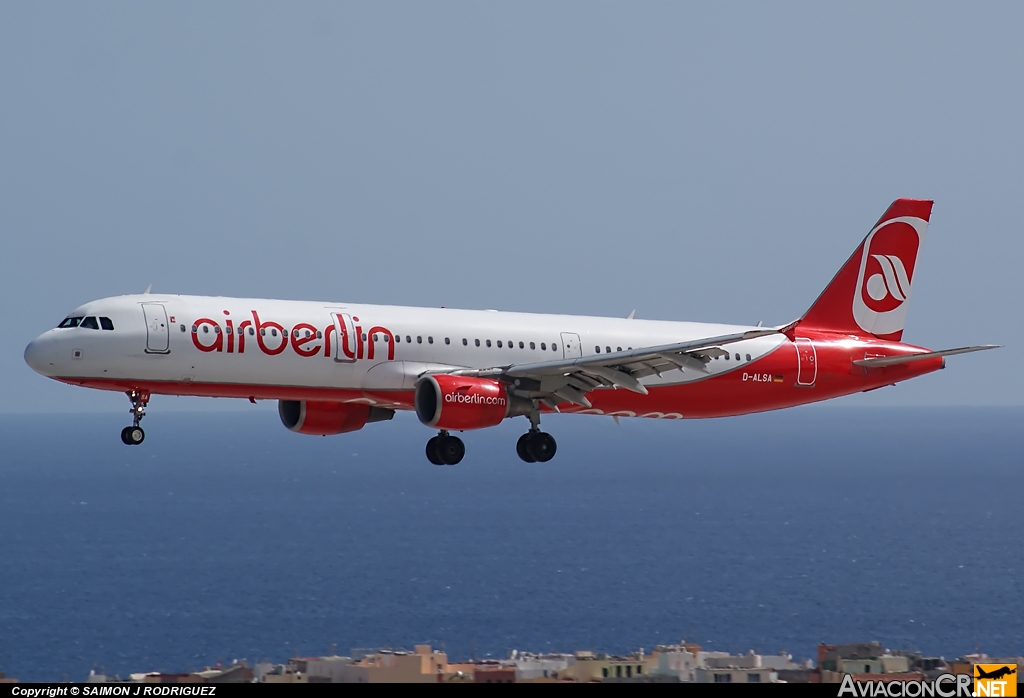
<point>134,435</point>
<point>536,446</point>
<point>445,449</point>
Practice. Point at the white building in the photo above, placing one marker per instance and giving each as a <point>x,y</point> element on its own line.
<point>735,675</point>
<point>539,666</point>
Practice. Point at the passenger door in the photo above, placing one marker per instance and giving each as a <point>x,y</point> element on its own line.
<point>347,342</point>
<point>807,368</point>
<point>158,337</point>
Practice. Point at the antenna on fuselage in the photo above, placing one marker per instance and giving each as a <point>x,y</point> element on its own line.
<point>148,289</point>
<point>631,314</point>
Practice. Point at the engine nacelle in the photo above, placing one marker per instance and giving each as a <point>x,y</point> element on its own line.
<point>458,402</point>
<point>327,418</point>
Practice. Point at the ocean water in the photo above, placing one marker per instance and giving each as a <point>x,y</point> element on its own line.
<point>224,536</point>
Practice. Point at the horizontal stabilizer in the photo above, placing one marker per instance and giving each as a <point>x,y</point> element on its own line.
<point>881,361</point>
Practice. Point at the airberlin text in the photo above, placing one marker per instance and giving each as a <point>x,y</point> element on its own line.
<point>473,399</point>
<point>305,339</point>
<point>946,686</point>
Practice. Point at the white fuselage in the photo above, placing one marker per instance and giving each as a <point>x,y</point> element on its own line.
<point>259,342</point>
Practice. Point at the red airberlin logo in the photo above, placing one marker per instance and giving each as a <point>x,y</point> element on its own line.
<point>304,338</point>
<point>889,267</point>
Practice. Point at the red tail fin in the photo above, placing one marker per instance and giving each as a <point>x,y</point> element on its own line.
<point>870,294</point>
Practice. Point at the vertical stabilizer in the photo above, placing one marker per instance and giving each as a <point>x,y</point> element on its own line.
<point>870,294</point>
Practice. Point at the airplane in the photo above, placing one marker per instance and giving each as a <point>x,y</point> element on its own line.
<point>335,367</point>
<point>995,673</point>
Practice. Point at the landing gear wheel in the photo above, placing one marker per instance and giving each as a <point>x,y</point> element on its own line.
<point>541,446</point>
<point>451,449</point>
<point>523,450</point>
<point>433,452</point>
<point>132,436</point>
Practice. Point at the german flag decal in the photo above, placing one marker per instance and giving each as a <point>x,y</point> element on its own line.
<point>777,378</point>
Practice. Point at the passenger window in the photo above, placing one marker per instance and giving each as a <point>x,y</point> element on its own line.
<point>543,346</point>
<point>419,339</point>
<point>308,333</point>
<point>273,332</point>
<point>618,348</point>
<point>510,344</point>
<point>106,323</point>
<point>206,329</point>
<point>554,347</point>
<point>447,341</point>
<point>374,336</point>
<point>748,357</point>
<point>408,339</point>
<point>488,344</point>
<point>430,340</point>
<point>216,330</point>
<point>183,329</point>
<point>608,350</point>
<point>263,331</point>
<point>477,342</point>
<point>597,350</point>
<point>465,342</point>
<point>499,344</point>
<point>398,338</point>
<point>283,332</point>
<point>521,346</point>
<point>726,357</point>
<point>532,345</point>
<point>737,357</point>
<point>318,334</point>
<point>241,331</point>
<point>89,323</point>
<point>252,331</point>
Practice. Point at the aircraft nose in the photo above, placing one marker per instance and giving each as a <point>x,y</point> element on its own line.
<point>41,354</point>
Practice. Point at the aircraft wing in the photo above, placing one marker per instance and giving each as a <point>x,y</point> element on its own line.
<point>880,361</point>
<point>568,380</point>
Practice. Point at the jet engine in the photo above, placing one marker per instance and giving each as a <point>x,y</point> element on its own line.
<point>458,403</point>
<point>326,418</point>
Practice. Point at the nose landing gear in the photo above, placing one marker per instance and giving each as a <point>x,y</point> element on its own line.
<point>134,435</point>
<point>445,449</point>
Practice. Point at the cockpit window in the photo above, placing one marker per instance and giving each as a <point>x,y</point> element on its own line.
<point>89,323</point>
<point>106,323</point>
<point>70,322</point>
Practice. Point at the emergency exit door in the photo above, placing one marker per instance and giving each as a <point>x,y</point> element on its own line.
<point>571,346</point>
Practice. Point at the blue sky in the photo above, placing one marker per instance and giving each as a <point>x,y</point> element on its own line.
<point>699,161</point>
